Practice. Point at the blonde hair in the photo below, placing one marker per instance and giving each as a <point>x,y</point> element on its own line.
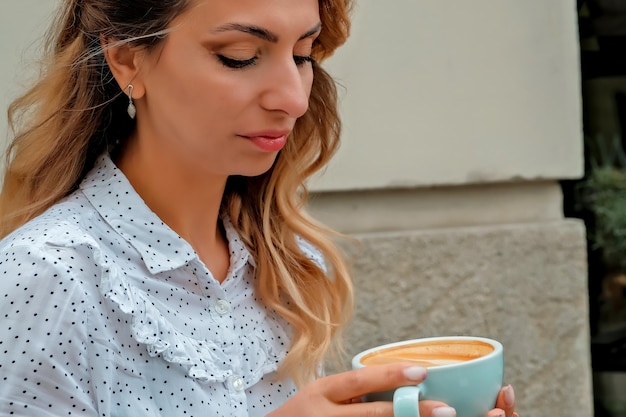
<point>75,112</point>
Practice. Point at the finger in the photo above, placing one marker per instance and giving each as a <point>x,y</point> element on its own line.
<point>436,409</point>
<point>346,385</point>
<point>506,400</point>
<point>496,412</point>
<point>376,408</point>
<point>385,408</point>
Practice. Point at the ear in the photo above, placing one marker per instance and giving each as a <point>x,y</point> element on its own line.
<point>124,62</point>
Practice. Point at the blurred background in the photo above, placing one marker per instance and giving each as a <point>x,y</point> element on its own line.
<point>600,197</point>
<point>481,172</point>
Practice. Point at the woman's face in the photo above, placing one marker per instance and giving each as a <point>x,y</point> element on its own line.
<point>224,90</point>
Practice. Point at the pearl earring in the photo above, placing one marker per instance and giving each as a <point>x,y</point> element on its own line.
<point>132,110</point>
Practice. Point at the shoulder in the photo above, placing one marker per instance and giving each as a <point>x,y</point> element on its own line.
<point>61,238</point>
<point>70,219</point>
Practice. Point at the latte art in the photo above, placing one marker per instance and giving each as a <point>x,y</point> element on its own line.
<point>429,354</point>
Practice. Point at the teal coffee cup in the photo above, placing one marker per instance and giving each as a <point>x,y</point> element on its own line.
<point>464,372</point>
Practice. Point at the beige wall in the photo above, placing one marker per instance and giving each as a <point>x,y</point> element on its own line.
<point>455,92</point>
<point>22,23</point>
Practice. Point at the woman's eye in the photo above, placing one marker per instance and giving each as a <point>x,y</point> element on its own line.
<point>301,60</point>
<point>245,63</point>
<point>236,63</point>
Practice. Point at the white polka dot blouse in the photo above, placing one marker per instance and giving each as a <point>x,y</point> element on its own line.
<point>106,311</point>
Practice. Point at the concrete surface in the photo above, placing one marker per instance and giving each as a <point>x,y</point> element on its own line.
<point>523,284</point>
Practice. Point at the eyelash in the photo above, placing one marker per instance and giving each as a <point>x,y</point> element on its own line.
<point>301,60</point>
<point>239,64</point>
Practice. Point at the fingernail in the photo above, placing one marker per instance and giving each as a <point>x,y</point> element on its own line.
<point>499,413</point>
<point>415,373</point>
<point>444,412</point>
<point>509,396</point>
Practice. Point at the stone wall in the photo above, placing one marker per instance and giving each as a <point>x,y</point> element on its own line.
<point>523,284</point>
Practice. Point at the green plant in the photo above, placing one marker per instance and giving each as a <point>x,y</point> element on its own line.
<point>603,192</point>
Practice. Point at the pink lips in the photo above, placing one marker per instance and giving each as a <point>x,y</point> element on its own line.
<point>269,141</point>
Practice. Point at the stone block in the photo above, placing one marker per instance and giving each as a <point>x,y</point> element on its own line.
<point>523,284</point>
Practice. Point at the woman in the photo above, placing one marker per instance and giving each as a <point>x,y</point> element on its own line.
<point>156,259</point>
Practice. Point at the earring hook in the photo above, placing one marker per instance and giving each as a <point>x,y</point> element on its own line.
<point>132,110</point>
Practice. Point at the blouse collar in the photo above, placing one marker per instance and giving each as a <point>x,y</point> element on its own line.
<point>161,248</point>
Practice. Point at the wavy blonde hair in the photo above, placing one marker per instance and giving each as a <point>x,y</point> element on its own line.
<point>75,112</point>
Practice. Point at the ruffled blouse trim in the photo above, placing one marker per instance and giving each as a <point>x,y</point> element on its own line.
<point>204,360</point>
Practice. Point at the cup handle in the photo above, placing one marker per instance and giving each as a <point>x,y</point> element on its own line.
<point>406,402</point>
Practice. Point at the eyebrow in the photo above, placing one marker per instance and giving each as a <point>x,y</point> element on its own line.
<point>260,32</point>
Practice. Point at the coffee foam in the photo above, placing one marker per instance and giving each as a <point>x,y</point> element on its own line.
<point>429,354</point>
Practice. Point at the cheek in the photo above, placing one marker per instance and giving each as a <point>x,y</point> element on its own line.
<point>182,79</point>
<point>225,92</point>
<point>209,86</point>
<point>197,98</point>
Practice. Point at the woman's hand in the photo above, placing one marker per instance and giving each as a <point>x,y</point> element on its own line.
<point>505,405</point>
<point>340,395</point>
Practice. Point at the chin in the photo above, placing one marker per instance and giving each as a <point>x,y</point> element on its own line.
<point>256,169</point>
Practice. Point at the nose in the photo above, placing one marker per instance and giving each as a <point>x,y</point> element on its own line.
<point>287,88</point>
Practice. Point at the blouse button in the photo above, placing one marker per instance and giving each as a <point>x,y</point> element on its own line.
<point>222,307</point>
<point>237,383</point>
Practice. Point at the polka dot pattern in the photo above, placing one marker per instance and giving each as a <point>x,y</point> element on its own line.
<point>106,311</point>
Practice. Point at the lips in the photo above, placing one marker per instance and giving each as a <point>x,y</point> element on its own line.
<point>269,140</point>
<point>268,134</point>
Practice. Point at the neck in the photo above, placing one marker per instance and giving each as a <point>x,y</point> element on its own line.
<point>185,200</point>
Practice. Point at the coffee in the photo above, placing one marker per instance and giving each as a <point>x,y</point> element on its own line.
<point>430,353</point>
